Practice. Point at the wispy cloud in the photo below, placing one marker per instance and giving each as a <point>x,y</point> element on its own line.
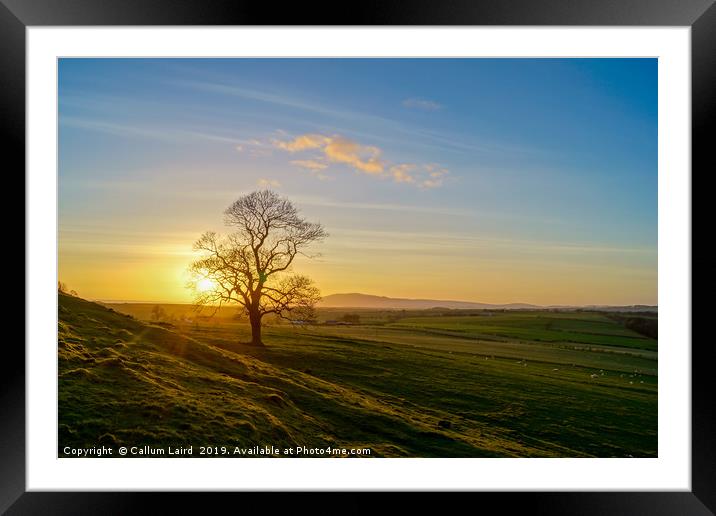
<point>315,167</point>
<point>337,149</point>
<point>388,207</point>
<point>381,128</point>
<point>303,142</point>
<point>162,133</point>
<point>382,239</point>
<point>310,164</point>
<point>449,142</point>
<point>254,147</point>
<point>268,183</point>
<point>402,173</point>
<point>420,103</point>
<point>429,175</point>
<point>436,176</point>
<point>259,95</point>
<point>118,129</point>
<point>367,159</point>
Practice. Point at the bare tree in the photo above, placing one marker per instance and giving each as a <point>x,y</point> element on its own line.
<point>252,266</point>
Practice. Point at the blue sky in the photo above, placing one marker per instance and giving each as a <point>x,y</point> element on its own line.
<point>531,180</point>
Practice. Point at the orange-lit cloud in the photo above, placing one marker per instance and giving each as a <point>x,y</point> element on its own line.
<point>362,158</point>
<point>401,173</point>
<point>430,175</point>
<point>436,175</point>
<point>303,142</point>
<point>365,158</point>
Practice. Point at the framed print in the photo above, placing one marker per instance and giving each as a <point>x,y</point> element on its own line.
<point>441,244</point>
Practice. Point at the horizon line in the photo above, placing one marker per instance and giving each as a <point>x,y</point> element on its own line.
<point>563,305</point>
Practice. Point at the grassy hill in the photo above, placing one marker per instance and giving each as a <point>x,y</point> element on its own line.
<point>412,388</point>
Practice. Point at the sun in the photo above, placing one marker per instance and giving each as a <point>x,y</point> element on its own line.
<point>205,284</point>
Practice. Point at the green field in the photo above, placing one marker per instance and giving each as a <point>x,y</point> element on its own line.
<point>404,384</point>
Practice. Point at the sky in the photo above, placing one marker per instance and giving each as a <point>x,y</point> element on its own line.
<point>489,180</point>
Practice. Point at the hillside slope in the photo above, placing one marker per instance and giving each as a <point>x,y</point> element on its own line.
<point>126,383</point>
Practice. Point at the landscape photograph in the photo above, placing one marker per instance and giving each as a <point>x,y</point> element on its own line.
<point>357,258</point>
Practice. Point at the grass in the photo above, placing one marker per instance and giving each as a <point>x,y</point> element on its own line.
<point>573,327</point>
<point>524,384</point>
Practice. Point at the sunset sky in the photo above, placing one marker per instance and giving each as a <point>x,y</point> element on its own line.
<point>490,180</point>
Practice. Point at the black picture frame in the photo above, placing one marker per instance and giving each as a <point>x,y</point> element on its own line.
<point>700,15</point>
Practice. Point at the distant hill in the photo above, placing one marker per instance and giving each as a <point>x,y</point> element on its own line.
<point>382,302</point>
<point>356,300</point>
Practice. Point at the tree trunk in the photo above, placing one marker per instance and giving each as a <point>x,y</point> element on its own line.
<point>255,319</point>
